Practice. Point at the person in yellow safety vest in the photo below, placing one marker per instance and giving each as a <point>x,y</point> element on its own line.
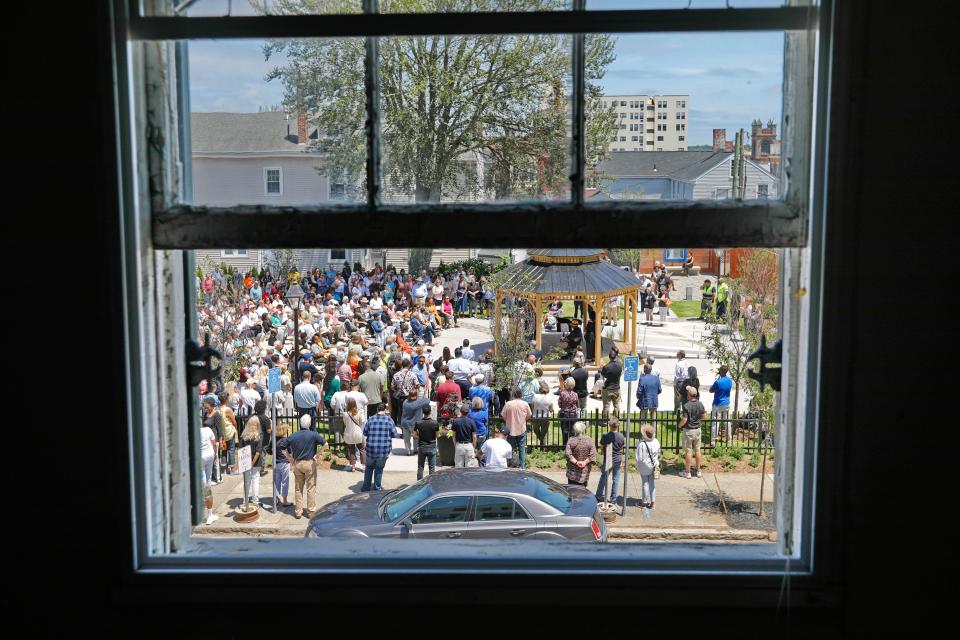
<point>708,294</point>
<point>723,294</point>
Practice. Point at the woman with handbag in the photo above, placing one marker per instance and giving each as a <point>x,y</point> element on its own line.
<point>229,440</point>
<point>252,437</point>
<point>648,464</point>
<point>353,434</point>
<point>664,303</point>
<point>569,405</point>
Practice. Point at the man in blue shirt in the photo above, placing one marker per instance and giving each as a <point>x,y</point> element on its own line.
<point>420,330</point>
<point>648,393</point>
<point>485,393</point>
<point>466,351</point>
<point>379,432</point>
<point>301,453</point>
<point>720,412</point>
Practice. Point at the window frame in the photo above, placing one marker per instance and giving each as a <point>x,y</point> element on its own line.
<point>224,253</point>
<point>266,182</point>
<point>140,230</point>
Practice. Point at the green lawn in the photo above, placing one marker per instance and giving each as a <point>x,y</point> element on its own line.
<point>686,308</point>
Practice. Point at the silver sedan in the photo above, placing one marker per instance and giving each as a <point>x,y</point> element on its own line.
<point>469,503</point>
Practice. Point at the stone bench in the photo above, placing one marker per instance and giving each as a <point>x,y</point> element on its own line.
<point>694,270</point>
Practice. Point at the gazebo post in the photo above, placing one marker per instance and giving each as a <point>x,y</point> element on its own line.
<point>597,329</point>
<point>497,301</point>
<point>633,325</point>
<point>538,306</point>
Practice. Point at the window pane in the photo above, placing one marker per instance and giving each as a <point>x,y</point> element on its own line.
<point>443,510</point>
<point>297,104</point>
<point>612,5</point>
<point>697,92</point>
<point>447,6</point>
<point>475,119</point>
<point>240,8</point>
<point>493,508</point>
<point>243,312</point>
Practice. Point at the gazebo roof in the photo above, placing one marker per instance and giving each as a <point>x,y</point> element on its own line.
<point>590,277</point>
<point>565,256</point>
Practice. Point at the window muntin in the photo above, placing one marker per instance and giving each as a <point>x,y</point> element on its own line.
<point>233,253</point>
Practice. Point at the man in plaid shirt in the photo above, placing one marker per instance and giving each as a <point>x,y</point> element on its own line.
<point>379,432</point>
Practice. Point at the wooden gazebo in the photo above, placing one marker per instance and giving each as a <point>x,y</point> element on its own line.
<point>570,274</point>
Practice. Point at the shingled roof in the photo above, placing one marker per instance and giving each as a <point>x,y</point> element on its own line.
<point>679,165</point>
<point>267,132</point>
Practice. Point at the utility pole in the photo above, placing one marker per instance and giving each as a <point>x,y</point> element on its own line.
<point>738,169</point>
<point>737,152</point>
<point>741,169</point>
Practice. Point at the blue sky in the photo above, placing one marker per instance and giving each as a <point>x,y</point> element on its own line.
<point>731,78</point>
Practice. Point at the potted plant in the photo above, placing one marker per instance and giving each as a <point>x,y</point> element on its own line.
<point>445,446</point>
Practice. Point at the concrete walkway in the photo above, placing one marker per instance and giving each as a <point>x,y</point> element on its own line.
<point>686,509</point>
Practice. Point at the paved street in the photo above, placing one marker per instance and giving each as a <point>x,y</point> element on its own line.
<point>686,508</point>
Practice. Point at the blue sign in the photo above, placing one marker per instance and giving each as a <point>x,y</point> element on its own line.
<point>631,368</point>
<point>273,380</point>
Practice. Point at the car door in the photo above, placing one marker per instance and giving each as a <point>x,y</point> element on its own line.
<point>499,517</point>
<point>441,517</point>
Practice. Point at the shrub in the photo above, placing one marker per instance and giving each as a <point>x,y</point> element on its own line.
<point>729,452</point>
<point>755,459</point>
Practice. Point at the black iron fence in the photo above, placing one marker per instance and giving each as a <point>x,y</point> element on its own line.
<point>743,430</point>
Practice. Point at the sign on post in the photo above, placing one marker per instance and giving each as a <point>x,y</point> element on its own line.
<point>244,459</point>
<point>273,380</point>
<point>631,368</point>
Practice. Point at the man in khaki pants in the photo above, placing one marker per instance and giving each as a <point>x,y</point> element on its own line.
<point>302,454</point>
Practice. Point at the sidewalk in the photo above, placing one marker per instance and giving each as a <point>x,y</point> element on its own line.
<point>687,509</point>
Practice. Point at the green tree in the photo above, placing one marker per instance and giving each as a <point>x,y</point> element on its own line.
<point>730,339</point>
<point>627,257</point>
<point>444,98</point>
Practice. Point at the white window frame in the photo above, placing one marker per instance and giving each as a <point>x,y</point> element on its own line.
<point>159,403</point>
<point>719,190</point>
<point>346,253</point>
<point>266,182</point>
<point>234,253</point>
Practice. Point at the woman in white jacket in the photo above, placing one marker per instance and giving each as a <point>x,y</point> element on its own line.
<point>648,459</point>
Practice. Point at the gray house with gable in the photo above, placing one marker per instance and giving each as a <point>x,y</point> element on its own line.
<point>260,158</point>
<point>272,158</point>
<point>680,175</point>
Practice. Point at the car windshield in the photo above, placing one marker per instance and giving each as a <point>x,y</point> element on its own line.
<point>402,501</point>
<point>553,494</point>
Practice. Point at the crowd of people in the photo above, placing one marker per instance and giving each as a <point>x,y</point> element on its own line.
<point>366,365</point>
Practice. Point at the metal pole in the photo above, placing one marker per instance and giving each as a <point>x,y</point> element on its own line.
<point>296,345</point>
<point>626,451</point>
<point>763,474</point>
<point>273,437</point>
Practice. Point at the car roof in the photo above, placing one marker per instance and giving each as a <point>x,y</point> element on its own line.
<point>478,479</point>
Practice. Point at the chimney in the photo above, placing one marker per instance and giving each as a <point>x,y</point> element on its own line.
<point>719,137</point>
<point>302,128</point>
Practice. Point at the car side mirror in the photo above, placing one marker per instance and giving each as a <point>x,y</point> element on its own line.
<point>407,530</point>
